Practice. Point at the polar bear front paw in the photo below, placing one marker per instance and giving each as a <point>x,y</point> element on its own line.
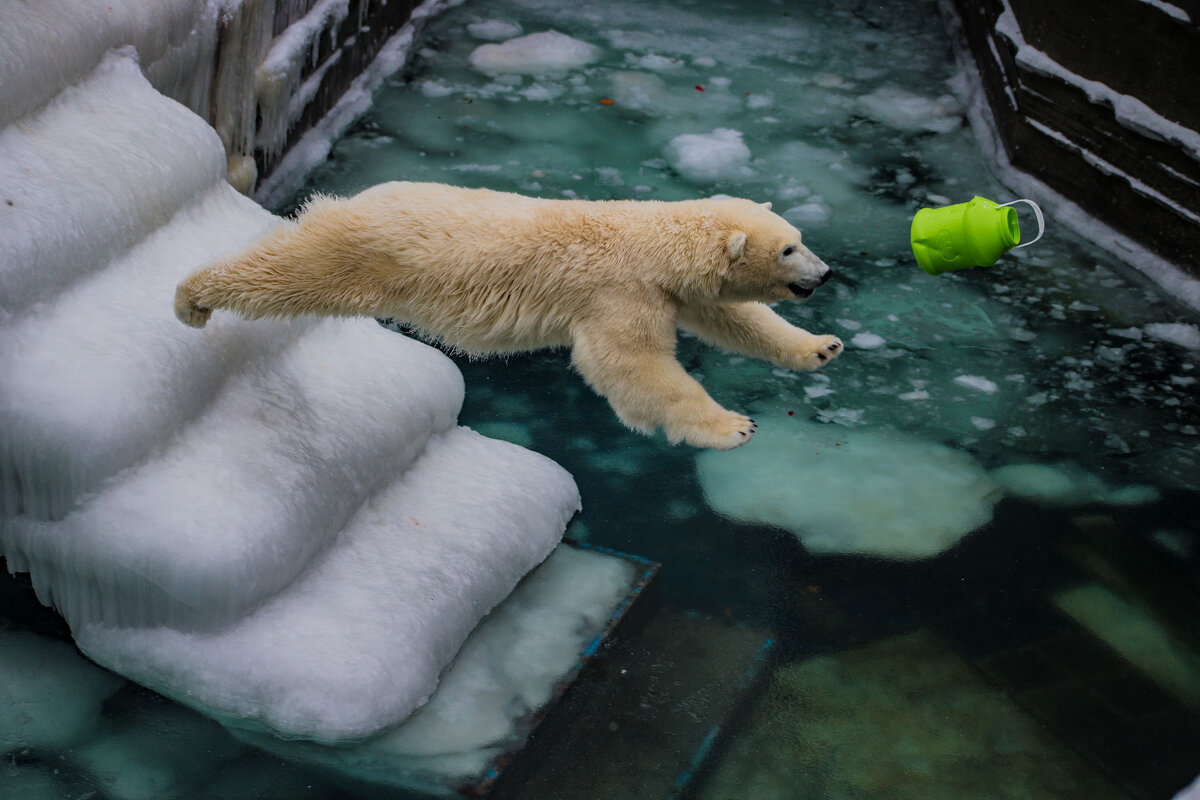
<point>820,351</point>
<point>723,431</point>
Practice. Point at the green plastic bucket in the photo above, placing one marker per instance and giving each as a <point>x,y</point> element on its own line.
<point>972,234</point>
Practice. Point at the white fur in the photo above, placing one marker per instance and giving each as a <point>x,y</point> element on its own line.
<point>491,272</point>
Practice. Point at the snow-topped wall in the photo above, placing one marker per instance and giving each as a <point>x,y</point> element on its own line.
<point>1094,102</point>
<point>262,73</point>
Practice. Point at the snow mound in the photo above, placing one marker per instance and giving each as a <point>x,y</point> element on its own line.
<point>709,157</point>
<point>545,53</point>
<point>850,491</point>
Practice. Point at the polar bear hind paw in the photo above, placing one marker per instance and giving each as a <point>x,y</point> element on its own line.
<point>188,312</point>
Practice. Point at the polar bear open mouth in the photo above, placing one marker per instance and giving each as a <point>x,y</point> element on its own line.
<point>800,291</point>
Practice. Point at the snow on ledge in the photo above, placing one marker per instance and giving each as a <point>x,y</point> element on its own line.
<point>314,146</point>
<point>1168,275</point>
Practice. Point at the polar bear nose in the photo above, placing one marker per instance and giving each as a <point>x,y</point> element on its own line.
<point>825,276</point>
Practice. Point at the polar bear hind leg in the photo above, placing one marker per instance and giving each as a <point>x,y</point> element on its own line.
<point>187,310</point>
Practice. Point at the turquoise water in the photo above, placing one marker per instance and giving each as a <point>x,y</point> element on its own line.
<point>973,538</point>
<point>1023,443</point>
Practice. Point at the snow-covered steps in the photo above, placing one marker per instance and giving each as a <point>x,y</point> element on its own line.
<point>232,507</point>
<point>93,379</point>
<point>278,523</point>
<point>100,167</point>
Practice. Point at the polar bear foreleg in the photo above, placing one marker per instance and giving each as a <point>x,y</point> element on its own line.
<point>755,330</point>
<point>649,389</point>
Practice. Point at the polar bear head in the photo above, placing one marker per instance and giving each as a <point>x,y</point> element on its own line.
<point>767,260</point>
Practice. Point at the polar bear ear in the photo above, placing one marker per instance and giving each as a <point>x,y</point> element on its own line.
<point>735,244</point>
<point>766,205</point>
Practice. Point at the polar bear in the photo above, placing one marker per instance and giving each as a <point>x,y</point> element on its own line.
<point>491,272</point>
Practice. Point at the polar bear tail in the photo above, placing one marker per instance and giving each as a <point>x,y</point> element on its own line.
<point>187,309</point>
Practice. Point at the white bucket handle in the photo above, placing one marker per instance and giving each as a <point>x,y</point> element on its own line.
<point>1037,213</point>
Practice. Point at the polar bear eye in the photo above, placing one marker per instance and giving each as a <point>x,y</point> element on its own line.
<point>787,251</point>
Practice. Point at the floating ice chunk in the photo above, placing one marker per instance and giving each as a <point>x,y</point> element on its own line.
<point>638,91</point>
<point>1178,333</point>
<point>356,642</point>
<point>902,109</point>
<point>494,30</point>
<point>983,423</point>
<point>978,383</point>
<point>543,92</point>
<point>812,213</point>
<point>651,95</point>
<point>545,53</point>
<point>850,491</point>
<point>757,101</point>
<point>654,62</point>
<point>1126,333</point>
<point>436,88</point>
<point>867,340</point>
<point>709,157</point>
<point>196,536</point>
<point>849,417</point>
<point>116,177</point>
<point>1068,485</point>
<point>35,711</point>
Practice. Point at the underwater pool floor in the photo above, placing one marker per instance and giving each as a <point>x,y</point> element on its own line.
<point>973,539</point>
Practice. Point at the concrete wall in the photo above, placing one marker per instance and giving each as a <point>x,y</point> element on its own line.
<point>1098,100</point>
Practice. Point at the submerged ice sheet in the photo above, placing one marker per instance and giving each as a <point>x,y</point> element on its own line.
<point>843,491</point>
